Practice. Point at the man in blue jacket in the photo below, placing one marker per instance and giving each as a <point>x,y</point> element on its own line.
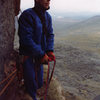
<point>36,40</point>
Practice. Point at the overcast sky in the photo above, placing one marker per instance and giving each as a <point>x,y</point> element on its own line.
<point>68,5</point>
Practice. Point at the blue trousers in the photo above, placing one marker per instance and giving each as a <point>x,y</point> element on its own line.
<point>32,80</point>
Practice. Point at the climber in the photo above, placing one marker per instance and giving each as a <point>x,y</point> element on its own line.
<point>36,41</point>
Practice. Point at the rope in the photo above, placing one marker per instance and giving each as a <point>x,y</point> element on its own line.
<point>8,77</point>
<point>52,71</point>
<point>9,82</point>
<point>49,79</point>
<point>13,74</point>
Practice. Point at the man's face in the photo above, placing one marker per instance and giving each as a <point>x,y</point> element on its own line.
<point>44,3</point>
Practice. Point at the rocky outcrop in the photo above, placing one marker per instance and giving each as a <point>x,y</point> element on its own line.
<point>6,31</point>
<point>8,11</point>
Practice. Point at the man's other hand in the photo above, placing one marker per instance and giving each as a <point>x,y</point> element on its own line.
<point>44,59</point>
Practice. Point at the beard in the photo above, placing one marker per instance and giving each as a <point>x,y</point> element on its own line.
<point>41,6</point>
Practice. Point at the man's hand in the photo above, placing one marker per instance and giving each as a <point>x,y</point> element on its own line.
<point>51,56</point>
<point>44,59</point>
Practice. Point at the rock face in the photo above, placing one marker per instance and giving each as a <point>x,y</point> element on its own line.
<point>8,10</point>
<point>7,15</point>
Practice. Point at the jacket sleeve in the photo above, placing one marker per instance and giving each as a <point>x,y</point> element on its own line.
<point>26,34</point>
<point>50,36</point>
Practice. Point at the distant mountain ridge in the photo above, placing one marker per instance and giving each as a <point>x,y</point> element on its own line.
<point>90,25</point>
<point>61,23</point>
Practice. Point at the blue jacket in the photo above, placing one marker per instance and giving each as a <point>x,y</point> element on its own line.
<point>33,42</point>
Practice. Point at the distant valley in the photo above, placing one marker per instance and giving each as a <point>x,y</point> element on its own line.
<point>77,49</point>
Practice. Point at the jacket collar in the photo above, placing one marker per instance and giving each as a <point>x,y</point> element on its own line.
<point>39,9</point>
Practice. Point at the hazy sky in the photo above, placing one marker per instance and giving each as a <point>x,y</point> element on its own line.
<point>68,5</point>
